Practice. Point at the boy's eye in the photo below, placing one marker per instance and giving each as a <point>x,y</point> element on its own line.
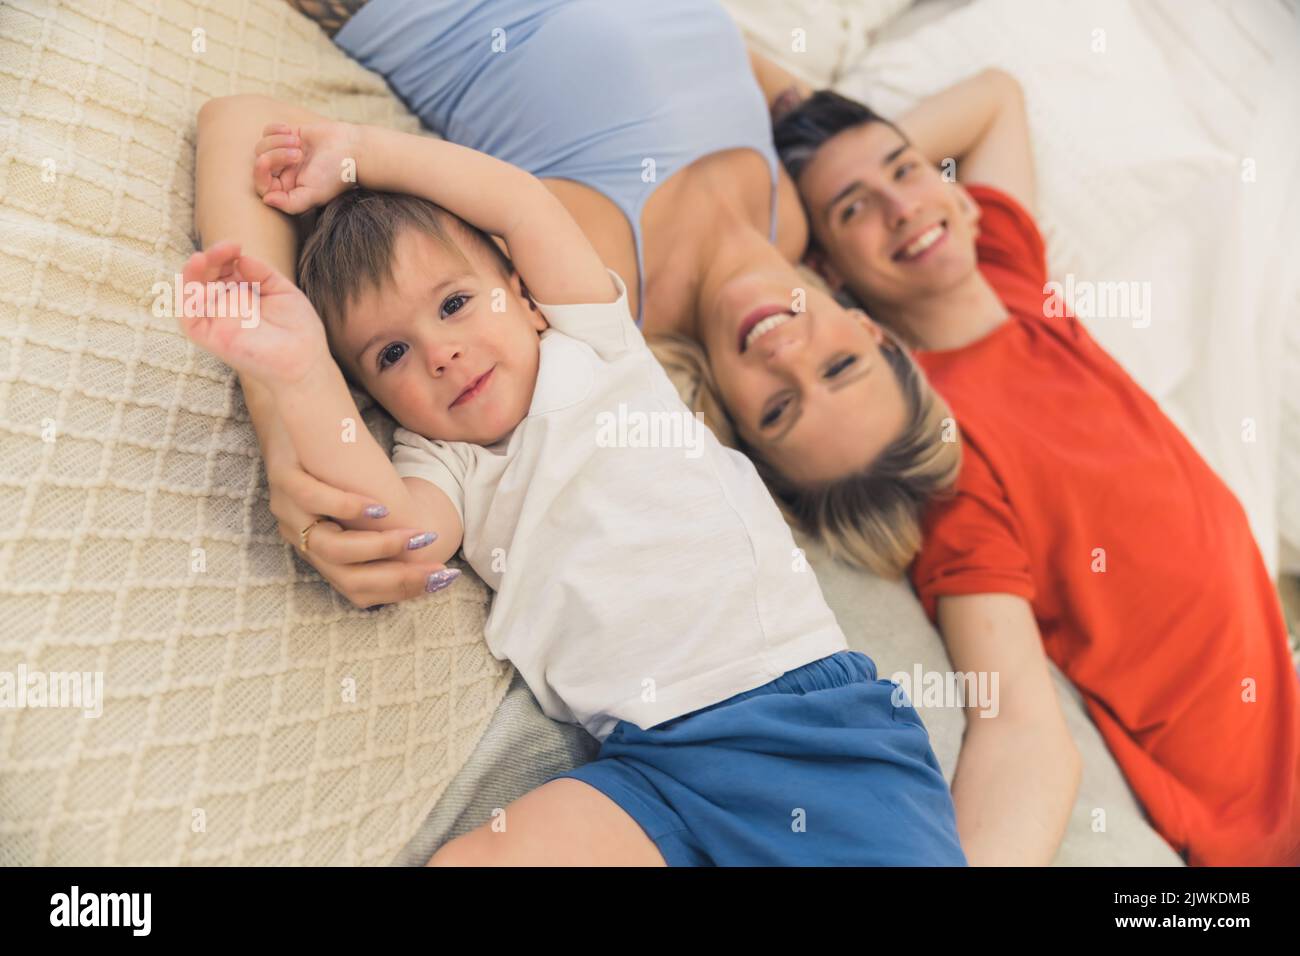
<point>454,304</point>
<point>904,169</point>
<point>390,354</point>
<point>850,210</point>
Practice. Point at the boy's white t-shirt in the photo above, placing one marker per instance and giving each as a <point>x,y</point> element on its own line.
<point>641,569</point>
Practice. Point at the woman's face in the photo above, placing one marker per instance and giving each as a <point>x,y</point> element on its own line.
<point>805,380</point>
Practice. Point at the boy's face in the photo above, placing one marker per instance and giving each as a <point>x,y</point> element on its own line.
<point>810,391</point>
<point>429,347</point>
<point>889,226</point>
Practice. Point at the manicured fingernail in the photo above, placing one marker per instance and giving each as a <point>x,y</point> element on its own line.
<point>440,579</point>
<point>376,511</point>
<point>420,540</point>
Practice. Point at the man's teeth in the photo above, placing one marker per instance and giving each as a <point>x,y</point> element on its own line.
<point>767,325</point>
<point>924,241</point>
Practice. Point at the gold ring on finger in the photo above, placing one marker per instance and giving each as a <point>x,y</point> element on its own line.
<point>302,535</point>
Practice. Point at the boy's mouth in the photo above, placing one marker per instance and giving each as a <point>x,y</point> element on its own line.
<point>474,389</point>
<point>920,245</point>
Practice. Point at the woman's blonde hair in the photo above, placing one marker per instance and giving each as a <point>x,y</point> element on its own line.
<point>871,519</point>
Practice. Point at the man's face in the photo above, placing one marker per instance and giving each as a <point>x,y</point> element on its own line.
<point>888,224</point>
<point>429,347</point>
<point>810,390</point>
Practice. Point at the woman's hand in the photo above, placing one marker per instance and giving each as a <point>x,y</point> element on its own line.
<point>302,167</point>
<point>363,566</point>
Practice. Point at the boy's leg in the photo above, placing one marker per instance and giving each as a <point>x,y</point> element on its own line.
<point>564,822</point>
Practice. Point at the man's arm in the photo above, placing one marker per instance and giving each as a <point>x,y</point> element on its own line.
<point>782,90</point>
<point>979,122</point>
<point>1018,772</point>
<point>548,248</point>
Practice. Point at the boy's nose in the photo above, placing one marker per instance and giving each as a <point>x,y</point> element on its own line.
<point>441,357</point>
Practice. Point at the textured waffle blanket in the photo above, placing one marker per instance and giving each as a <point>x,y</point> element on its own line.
<point>248,713</point>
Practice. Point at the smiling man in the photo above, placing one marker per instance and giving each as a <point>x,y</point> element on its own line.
<point>1084,528</point>
<point>893,227</point>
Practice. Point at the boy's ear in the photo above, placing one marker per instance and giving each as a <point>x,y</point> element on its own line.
<point>522,288</point>
<point>539,320</point>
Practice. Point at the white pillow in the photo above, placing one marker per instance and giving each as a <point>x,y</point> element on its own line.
<point>1113,143</point>
<point>813,39</point>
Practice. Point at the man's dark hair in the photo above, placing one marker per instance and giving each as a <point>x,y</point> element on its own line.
<point>803,130</point>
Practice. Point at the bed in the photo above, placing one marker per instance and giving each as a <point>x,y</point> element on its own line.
<point>250,715</point>
<point>1129,139</point>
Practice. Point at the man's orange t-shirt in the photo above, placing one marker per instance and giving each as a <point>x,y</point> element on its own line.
<point>1078,494</point>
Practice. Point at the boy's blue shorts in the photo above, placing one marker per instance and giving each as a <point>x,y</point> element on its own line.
<point>815,768</point>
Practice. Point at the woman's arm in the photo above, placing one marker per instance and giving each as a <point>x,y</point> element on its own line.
<point>1018,772</point>
<point>980,123</point>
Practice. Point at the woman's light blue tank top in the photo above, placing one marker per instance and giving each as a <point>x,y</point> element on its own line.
<point>614,94</point>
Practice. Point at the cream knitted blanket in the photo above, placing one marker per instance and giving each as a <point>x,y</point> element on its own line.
<point>247,713</point>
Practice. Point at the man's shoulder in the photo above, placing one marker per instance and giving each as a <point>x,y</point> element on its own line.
<point>1007,239</point>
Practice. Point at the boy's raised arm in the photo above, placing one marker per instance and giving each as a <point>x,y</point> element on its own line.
<point>283,347</point>
<point>335,445</point>
<point>550,251</point>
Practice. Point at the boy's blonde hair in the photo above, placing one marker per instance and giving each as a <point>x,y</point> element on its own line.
<point>872,519</point>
